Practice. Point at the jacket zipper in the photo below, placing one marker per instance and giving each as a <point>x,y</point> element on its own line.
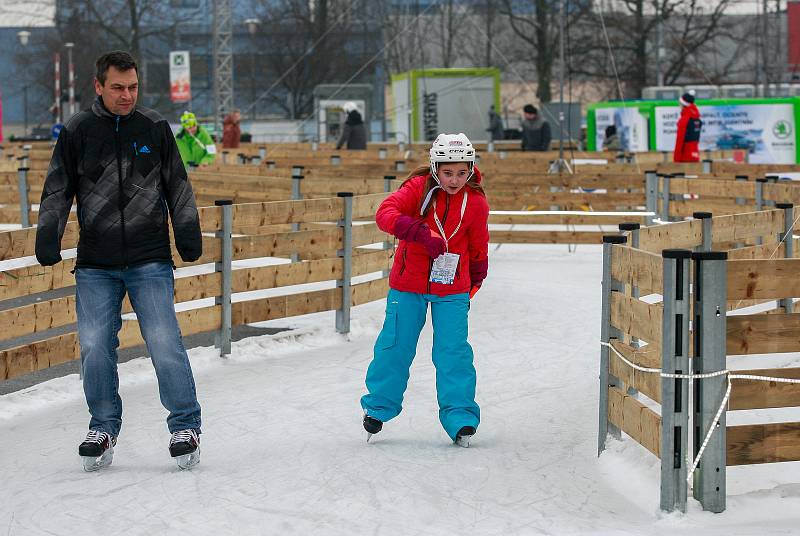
<point>121,193</point>
<point>403,264</point>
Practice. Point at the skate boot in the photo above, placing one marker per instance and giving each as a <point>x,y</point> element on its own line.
<point>372,426</point>
<point>464,436</point>
<point>97,450</point>
<point>184,446</point>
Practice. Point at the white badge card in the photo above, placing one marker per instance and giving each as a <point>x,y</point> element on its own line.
<point>211,149</point>
<point>444,268</point>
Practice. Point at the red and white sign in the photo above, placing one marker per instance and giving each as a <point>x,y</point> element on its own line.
<point>180,79</point>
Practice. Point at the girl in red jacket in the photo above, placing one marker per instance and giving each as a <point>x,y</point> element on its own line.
<point>440,215</point>
<point>687,140</point>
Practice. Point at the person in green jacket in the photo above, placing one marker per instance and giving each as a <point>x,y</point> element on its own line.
<point>194,142</point>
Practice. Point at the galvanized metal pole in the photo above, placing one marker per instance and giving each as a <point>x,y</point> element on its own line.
<point>707,230</point>
<point>741,200</point>
<point>223,341</point>
<point>651,195</point>
<point>382,153</point>
<point>346,253</point>
<point>788,244</point>
<point>297,194</point>
<point>336,160</point>
<point>707,166</point>
<point>262,152</point>
<point>388,186</point>
<point>665,197</point>
<point>23,188</point>
<point>675,392</point>
<point>632,230</point>
<point>710,295</point>
<point>607,331</point>
<point>400,165</point>
<point>772,179</point>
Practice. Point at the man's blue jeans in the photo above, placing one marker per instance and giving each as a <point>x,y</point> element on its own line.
<point>99,305</point>
<point>387,376</point>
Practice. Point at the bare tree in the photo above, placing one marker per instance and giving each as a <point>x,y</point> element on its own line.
<point>628,33</point>
<point>536,24</point>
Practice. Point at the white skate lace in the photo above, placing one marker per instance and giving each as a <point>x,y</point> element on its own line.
<point>183,436</point>
<point>96,437</point>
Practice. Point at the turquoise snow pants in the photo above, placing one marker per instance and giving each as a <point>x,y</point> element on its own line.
<point>387,376</point>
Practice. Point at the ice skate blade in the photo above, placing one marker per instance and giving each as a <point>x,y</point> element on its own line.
<point>463,441</point>
<point>187,461</point>
<point>92,463</point>
<point>369,436</point>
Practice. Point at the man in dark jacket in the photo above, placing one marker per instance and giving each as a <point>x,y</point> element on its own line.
<point>535,130</point>
<point>121,163</point>
<point>354,134</point>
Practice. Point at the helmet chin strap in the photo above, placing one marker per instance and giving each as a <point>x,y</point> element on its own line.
<point>439,185</point>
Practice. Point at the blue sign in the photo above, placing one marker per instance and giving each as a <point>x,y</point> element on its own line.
<point>56,130</point>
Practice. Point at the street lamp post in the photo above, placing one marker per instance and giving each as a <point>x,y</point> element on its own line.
<point>24,37</point>
<point>252,28</point>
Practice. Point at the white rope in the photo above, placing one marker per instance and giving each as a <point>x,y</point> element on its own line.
<point>691,377</point>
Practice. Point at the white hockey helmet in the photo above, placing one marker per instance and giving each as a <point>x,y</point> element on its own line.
<point>451,148</point>
<point>349,106</point>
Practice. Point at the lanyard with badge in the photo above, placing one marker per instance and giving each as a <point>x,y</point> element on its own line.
<point>445,265</point>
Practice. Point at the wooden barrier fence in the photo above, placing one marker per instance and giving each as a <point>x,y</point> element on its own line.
<point>648,349</point>
<point>325,260</point>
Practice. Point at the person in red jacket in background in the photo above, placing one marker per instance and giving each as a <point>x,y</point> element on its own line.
<point>687,141</point>
<point>440,214</point>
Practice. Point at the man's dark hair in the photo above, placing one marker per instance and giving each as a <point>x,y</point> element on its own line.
<point>120,59</point>
<point>611,130</point>
<point>530,109</point>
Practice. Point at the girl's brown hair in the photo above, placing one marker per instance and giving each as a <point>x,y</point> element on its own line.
<point>430,183</point>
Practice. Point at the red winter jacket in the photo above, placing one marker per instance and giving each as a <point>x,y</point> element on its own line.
<point>412,263</point>
<point>687,140</point>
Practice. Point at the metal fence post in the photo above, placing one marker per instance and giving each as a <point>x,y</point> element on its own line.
<point>490,147</point>
<point>620,158</point>
<point>632,229</point>
<point>664,215</point>
<point>24,206</point>
<point>607,332</point>
<point>382,153</point>
<point>674,392</point>
<point>772,179</point>
<point>270,164</point>
<point>710,295</point>
<point>707,230</point>
<point>502,155</point>
<point>760,193</point>
<point>664,156</point>
<point>707,166</point>
<point>399,165</point>
<point>651,195</point>
<point>741,200</point>
<point>224,157</point>
<point>401,147</point>
<point>314,145</point>
<point>262,152</point>
<point>336,160</point>
<point>788,245</point>
<point>343,314</point>
<point>223,339</point>
<point>388,186</point>
<point>297,194</point>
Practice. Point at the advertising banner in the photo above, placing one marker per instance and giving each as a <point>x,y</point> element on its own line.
<point>180,88</point>
<point>631,128</point>
<point>765,131</point>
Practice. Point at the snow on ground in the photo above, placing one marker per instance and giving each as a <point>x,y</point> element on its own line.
<point>283,451</point>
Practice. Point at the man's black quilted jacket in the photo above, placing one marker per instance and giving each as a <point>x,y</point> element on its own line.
<point>126,173</point>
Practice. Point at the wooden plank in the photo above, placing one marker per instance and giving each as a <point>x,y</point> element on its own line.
<point>307,210</point>
<point>712,188</point>
<point>39,355</point>
<point>763,443</point>
<point>681,235</point>
<point>765,251</point>
<point>648,383</point>
<point>192,321</point>
<point>369,291</point>
<point>763,279</point>
<point>37,317</point>
<point>763,334</point>
<point>637,318</point>
<point>318,243</point>
<point>553,218</point>
<point>546,237</point>
<point>735,227</point>
<point>369,234</point>
<point>280,275</point>
<point>271,308</point>
<point>754,394</point>
<point>34,279</point>
<point>637,267</point>
<point>635,419</point>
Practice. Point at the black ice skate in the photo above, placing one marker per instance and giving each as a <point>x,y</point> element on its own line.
<point>372,426</point>
<point>97,450</point>
<point>464,436</point>
<point>184,446</point>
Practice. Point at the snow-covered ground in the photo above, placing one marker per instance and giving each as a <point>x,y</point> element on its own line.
<point>283,451</point>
